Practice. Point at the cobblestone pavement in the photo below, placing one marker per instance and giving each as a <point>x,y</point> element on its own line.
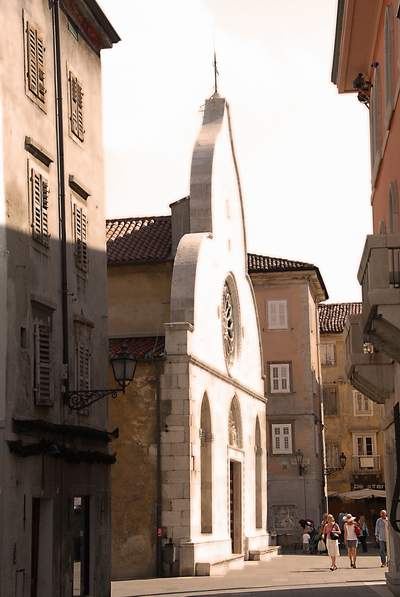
<point>282,576</point>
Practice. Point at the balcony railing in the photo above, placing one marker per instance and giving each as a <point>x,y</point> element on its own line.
<point>366,464</point>
<point>371,372</point>
<point>379,276</point>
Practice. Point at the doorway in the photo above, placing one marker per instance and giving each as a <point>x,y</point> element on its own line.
<point>42,548</point>
<point>80,536</point>
<point>235,505</point>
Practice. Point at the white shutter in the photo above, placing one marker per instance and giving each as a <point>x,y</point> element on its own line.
<point>280,378</point>
<point>281,438</point>
<point>277,315</point>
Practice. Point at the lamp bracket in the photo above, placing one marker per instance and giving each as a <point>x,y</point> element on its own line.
<point>80,399</point>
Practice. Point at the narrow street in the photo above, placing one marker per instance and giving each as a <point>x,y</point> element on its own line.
<point>291,575</point>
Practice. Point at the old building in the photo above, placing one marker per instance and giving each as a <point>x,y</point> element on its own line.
<point>192,425</point>
<point>353,432</point>
<point>288,293</point>
<point>366,62</point>
<point>54,461</point>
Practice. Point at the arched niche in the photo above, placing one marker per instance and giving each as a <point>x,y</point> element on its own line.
<point>206,466</point>
<point>235,439</point>
<point>258,475</point>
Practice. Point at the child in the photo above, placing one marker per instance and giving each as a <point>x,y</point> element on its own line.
<point>306,542</point>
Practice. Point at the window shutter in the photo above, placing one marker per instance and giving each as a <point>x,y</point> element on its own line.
<point>80,224</point>
<point>40,204</point>
<point>42,364</point>
<point>35,58</point>
<point>76,99</point>
<point>282,314</point>
<point>284,377</point>
<point>41,89</point>
<point>330,400</point>
<point>272,314</point>
<point>281,438</point>
<point>31,46</point>
<point>83,367</point>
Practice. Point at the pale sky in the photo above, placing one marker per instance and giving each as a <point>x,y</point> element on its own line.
<point>303,150</point>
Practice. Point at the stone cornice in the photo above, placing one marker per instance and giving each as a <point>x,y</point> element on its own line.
<point>230,380</point>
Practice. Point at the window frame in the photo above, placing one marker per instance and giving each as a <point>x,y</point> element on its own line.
<point>281,450</point>
<point>329,388</point>
<point>37,97</point>
<point>324,345</point>
<point>280,390</point>
<point>362,413</point>
<point>363,435</point>
<point>277,325</point>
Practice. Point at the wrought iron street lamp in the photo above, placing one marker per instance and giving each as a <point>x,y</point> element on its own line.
<point>299,454</point>
<point>123,365</point>
<point>330,470</point>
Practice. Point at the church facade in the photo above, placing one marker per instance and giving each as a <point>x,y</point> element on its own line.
<point>189,486</point>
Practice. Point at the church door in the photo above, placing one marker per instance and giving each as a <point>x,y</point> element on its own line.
<point>235,505</point>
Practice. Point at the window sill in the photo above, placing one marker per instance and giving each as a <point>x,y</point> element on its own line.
<point>281,394</point>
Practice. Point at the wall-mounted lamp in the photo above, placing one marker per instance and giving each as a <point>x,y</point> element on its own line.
<point>333,469</point>
<point>123,365</point>
<point>299,461</point>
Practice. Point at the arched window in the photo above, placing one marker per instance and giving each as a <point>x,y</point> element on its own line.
<point>206,466</point>
<point>258,475</point>
<point>235,425</point>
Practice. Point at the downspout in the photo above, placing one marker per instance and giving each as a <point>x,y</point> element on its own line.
<point>61,191</point>
<point>54,5</point>
<point>157,369</point>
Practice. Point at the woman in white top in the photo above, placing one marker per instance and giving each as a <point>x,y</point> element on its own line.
<point>351,538</point>
<point>331,543</point>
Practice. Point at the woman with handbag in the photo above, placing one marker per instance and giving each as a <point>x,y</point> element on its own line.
<point>331,532</point>
<point>351,533</point>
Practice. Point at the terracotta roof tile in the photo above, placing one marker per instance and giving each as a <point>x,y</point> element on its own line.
<point>138,239</point>
<point>332,317</point>
<point>262,263</point>
<point>139,348</point>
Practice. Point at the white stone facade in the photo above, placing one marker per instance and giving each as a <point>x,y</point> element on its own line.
<point>214,438</point>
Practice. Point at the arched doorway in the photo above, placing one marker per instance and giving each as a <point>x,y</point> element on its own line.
<point>206,466</point>
<point>258,476</point>
<point>235,475</point>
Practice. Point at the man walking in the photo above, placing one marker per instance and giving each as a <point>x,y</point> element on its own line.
<point>381,534</point>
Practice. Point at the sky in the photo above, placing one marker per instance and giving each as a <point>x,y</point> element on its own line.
<point>303,149</point>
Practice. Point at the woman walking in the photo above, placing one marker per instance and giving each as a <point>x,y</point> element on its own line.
<point>351,533</point>
<point>331,533</point>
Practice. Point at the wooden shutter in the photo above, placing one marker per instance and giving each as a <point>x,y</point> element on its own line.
<point>83,367</point>
<point>31,51</point>
<point>330,400</point>
<point>40,204</point>
<point>42,363</point>
<point>80,225</point>
<point>40,50</point>
<point>76,107</point>
<point>277,315</point>
<point>35,57</point>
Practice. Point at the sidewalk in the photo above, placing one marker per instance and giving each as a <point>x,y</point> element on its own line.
<point>289,574</point>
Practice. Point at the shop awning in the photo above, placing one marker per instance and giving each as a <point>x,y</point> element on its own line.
<point>359,494</point>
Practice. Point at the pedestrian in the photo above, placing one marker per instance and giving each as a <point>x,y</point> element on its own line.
<point>381,536</point>
<point>306,542</point>
<point>362,523</point>
<point>331,532</point>
<point>340,522</point>
<point>351,534</point>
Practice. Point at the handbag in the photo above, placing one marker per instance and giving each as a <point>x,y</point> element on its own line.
<point>321,546</point>
<point>357,530</point>
<point>334,536</point>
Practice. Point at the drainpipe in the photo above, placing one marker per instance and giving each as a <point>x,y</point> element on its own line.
<point>61,189</point>
<point>55,9</point>
<point>157,369</point>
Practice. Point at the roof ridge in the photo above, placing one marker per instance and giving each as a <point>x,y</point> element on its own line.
<point>130,218</point>
<point>280,259</point>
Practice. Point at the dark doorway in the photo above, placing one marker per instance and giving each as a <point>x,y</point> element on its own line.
<point>235,505</point>
<point>80,535</point>
<point>42,548</point>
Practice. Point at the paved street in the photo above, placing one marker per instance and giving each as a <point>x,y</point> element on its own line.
<point>290,575</point>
